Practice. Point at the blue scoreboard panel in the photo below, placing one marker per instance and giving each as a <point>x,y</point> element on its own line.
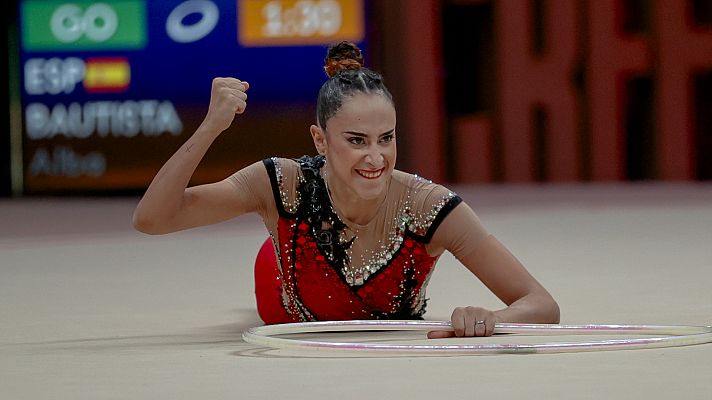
<point>110,89</point>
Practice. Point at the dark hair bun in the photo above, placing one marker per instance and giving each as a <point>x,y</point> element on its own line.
<point>344,55</point>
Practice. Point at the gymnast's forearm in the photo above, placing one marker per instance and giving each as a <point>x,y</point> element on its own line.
<point>161,208</point>
<point>535,308</point>
<point>166,195</point>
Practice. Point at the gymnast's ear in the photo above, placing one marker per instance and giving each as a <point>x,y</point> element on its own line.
<point>319,137</point>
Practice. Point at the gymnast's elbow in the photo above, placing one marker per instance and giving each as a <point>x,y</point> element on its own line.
<point>147,224</point>
<point>554,312</point>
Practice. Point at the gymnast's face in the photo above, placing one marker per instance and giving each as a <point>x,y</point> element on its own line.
<point>359,143</point>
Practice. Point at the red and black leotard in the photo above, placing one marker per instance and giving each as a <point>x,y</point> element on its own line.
<point>314,276</point>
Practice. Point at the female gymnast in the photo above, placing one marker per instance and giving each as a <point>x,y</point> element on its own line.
<point>350,236</point>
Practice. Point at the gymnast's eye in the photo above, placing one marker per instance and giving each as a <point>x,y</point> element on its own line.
<point>388,138</point>
<point>356,140</point>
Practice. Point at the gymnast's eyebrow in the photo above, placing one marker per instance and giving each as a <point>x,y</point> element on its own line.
<point>361,134</point>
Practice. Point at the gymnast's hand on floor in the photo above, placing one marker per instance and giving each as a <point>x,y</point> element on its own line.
<point>228,97</point>
<point>468,321</point>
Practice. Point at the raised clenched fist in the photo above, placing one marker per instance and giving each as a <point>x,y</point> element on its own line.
<point>227,97</point>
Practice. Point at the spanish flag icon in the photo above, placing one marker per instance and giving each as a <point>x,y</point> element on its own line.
<point>107,75</point>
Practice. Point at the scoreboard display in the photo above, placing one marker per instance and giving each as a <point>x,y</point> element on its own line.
<point>110,89</point>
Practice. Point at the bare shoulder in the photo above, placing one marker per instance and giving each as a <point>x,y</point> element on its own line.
<point>416,184</point>
<point>283,167</point>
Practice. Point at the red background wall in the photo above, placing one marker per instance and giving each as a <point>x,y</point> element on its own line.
<point>549,90</point>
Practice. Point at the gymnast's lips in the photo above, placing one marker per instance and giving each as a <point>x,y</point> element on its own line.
<point>370,174</point>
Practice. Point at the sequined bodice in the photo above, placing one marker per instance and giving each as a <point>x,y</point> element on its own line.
<point>319,276</point>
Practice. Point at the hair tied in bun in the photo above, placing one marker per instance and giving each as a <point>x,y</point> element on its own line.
<point>342,56</point>
<point>345,80</point>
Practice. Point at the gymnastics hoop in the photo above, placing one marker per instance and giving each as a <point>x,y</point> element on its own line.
<point>667,336</point>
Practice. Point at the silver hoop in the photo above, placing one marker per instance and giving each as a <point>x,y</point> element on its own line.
<point>667,336</point>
